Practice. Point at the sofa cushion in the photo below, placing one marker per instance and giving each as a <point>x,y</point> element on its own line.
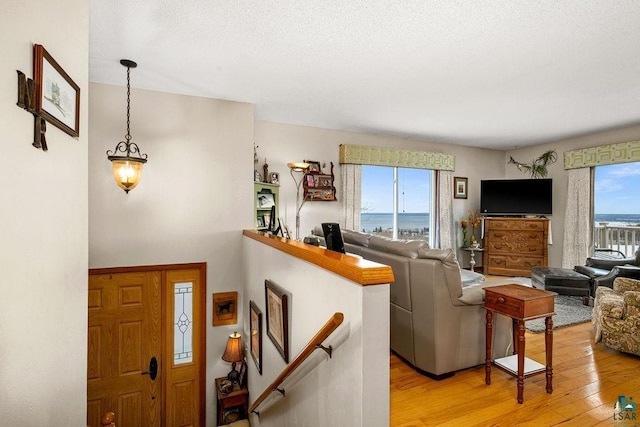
<point>407,248</point>
<point>356,238</point>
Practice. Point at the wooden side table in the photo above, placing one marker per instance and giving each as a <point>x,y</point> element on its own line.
<point>238,398</point>
<point>520,303</point>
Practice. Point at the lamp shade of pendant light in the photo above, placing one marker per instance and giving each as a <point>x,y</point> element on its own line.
<point>127,166</point>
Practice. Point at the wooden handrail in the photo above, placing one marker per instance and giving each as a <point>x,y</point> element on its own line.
<point>323,334</point>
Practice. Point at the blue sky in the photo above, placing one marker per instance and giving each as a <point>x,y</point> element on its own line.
<point>617,189</point>
<point>377,189</point>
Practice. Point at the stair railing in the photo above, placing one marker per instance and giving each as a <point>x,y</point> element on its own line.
<point>314,344</point>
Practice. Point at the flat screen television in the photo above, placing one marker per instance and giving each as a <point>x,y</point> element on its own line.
<point>516,197</point>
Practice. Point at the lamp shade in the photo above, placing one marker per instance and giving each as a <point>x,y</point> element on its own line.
<point>234,351</point>
<point>127,172</point>
<point>298,166</point>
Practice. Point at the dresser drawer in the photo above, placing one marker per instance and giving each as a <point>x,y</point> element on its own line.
<point>515,224</point>
<point>521,242</point>
<point>514,261</point>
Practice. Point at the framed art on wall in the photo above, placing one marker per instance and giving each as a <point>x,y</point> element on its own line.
<point>460,187</point>
<point>276,301</point>
<point>57,97</point>
<point>255,329</point>
<point>225,308</point>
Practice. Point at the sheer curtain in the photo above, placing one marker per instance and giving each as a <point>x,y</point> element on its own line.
<point>351,176</point>
<point>445,223</point>
<point>578,227</point>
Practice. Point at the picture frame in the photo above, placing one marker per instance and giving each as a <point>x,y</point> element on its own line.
<point>272,220</point>
<point>242,374</point>
<point>57,96</point>
<point>310,181</point>
<point>225,308</point>
<point>460,185</point>
<point>266,219</point>
<point>266,200</point>
<point>314,166</point>
<point>277,306</point>
<point>260,221</point>
<point>275,178</point>
<point>323,181</point>
<point>255,337</point>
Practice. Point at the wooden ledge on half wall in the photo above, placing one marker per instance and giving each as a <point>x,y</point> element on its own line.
<point>352,267</point>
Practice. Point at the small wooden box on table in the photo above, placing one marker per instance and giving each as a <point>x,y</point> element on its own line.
<point>238,398</point>
<point>520,303</point>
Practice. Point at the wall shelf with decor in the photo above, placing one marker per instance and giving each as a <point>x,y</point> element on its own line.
<point>318,186</point>
<point>265,204</point>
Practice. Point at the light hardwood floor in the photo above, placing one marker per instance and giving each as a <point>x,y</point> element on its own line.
<point>587,380</point>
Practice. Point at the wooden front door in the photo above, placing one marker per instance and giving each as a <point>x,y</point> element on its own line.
<point>137,314</point>
<point>124,336</point>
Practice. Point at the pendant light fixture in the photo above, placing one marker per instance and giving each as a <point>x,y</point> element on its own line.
<point>127,168</point>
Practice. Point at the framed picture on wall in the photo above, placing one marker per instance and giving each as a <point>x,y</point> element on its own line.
<point>57,97</point>
<point>225,308</point>
<point>277,303</point>
<point>255,329</point>
<point>460,187</point>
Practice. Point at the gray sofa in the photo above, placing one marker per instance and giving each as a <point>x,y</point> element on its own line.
<point>437,324</point>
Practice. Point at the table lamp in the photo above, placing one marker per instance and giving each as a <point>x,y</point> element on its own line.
<point>233,353</point>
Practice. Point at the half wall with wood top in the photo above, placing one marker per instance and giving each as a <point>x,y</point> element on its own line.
<point>350,388</point>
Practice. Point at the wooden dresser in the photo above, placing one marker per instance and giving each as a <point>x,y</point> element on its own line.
<point>513,245</point>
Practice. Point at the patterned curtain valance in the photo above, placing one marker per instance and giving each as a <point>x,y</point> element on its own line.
<point>622,152</point>
<point>395,157</point>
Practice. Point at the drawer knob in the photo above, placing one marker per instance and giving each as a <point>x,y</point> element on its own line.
<point>501,300</point>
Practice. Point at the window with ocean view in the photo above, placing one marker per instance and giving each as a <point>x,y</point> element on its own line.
<point>617,207</point>
<point>397,202</point>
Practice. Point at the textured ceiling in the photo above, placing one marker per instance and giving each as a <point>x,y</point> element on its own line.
<point>498,74</point>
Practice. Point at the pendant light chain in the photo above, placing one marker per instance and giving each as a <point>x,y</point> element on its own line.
<point>128,136</point>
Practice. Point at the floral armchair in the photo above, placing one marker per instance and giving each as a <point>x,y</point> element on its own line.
<point>616,315</point>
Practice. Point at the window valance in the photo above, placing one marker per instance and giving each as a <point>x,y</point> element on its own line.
<point>622,152</point>
<point>395,157</point>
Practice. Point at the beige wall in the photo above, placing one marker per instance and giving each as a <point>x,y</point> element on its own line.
<point>43,303</point>
<point>194,198</point>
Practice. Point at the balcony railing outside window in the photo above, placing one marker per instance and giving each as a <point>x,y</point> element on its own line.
<point>625,239</point>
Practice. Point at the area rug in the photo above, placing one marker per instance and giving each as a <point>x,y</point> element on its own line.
<point>569,311</point>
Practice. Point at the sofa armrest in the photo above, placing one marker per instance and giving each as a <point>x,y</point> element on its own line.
<point>608,264</point>
<point>612,307</point>
<point>624,284</point>
<point>620,271</point>
<point>591,272</point>
<point>631,303</point>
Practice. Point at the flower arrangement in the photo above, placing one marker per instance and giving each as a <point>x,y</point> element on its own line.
<point>473,221</point>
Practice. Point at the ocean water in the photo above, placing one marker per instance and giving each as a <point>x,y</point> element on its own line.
<point>618,219</point>
<point>371,221</point>
<point>406,221</point>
